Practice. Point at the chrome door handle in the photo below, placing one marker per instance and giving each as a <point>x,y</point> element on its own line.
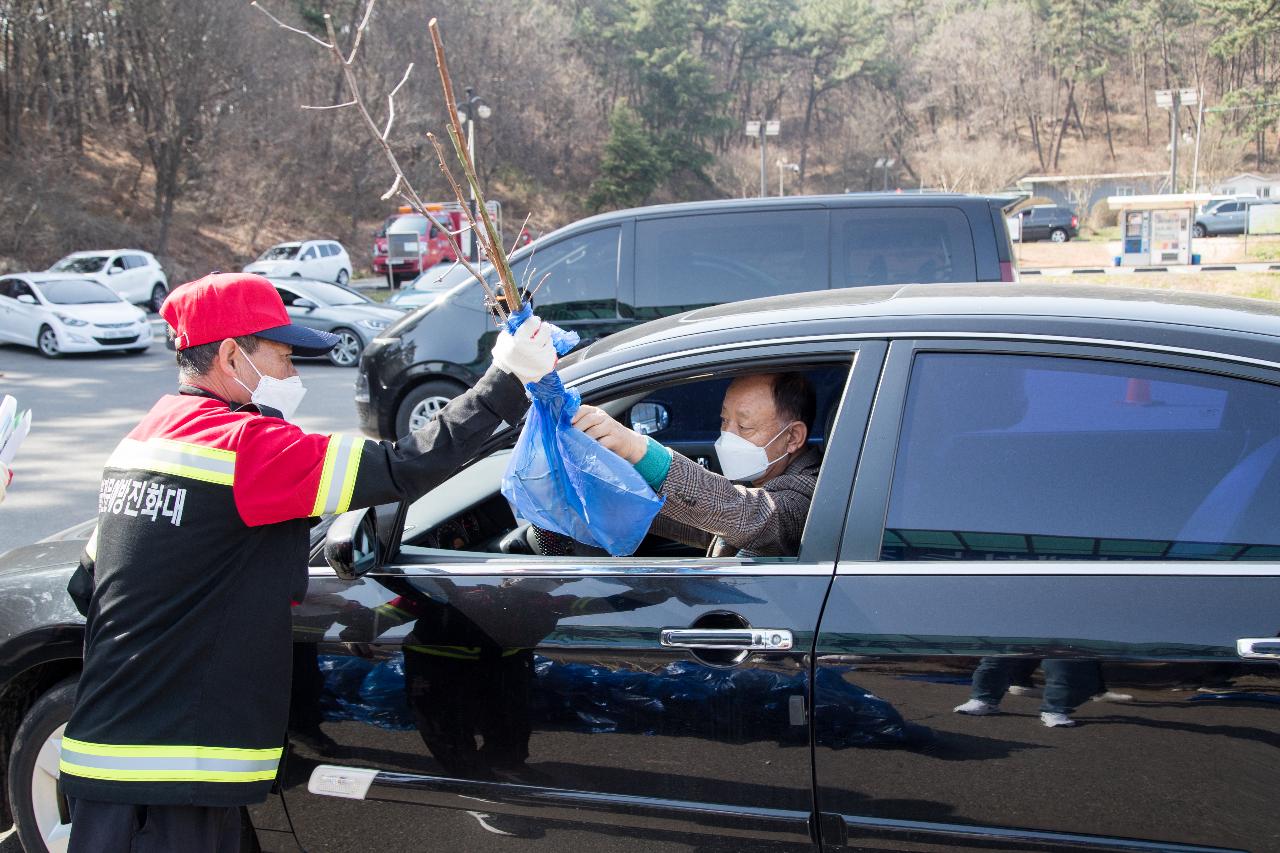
<point>1259,648</point>
<point>739,639</point>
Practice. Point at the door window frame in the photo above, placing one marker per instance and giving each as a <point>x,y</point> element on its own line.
<point>863,534</point>
<point>831,493</point>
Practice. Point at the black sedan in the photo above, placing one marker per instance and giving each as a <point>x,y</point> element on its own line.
<point>1035,607</point>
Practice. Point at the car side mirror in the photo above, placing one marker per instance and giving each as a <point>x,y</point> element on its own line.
<point>649,418</point>
<point>28,299</point>
<point>351,546</point>
<point>304,303</point>
<point>114,271</point>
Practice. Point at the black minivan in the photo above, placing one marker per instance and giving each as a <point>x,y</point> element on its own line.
<point>612,271</point>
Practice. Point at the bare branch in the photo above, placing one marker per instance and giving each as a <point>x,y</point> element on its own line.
<point>283,25</point>
<point>395,187</point>
<point>523,225</point>
<point>330,107</point>
<point>364,22</point>
<point>391,102</point>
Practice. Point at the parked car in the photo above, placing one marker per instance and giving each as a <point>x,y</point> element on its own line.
<point>1049,222</point>
<point>352,316</point>
<point>429,286</point>
<point>133,274</point>
<point>57,314</point>
<point>610,272</point>
<point>1229,216</point>
<point>323,260</point>
<point>1017,473</point>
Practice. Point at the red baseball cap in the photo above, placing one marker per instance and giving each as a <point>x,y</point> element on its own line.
<point>229,305</point>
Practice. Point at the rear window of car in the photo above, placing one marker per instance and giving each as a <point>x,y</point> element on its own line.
<point>1030,457</point>
<point>902,246</point>
<point>685,262</point>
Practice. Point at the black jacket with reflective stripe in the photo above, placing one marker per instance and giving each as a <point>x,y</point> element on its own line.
<point>186,586</point>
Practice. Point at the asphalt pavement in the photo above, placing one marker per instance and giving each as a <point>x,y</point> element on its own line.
<point>82,405</point>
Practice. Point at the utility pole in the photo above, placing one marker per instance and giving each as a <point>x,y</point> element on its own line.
<point>761,130</point>
<point>782,166</point>
<point>1172,100</point>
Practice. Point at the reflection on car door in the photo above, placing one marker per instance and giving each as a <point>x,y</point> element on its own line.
<point>492,698</point>
<point>1077,538</point>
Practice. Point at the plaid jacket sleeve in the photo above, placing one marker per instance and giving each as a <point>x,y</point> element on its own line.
<point>764,521</point>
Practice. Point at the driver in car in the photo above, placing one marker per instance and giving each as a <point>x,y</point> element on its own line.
<point>758,506</point>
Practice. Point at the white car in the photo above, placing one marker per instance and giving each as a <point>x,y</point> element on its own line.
<point>133,274</point>
<point>323,260</point>
<point>57,313</point>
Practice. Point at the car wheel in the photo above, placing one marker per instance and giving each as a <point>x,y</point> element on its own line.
<point>343,277</point>
<point>1058,235</point>
<point>347,352</point>
<point>1197,230</point>
<point>47,341</point>
<point>421,405</point>
<point>158,293</point>
<point>39,809</point>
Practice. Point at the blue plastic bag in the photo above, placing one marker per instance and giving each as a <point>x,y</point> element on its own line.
<point>562,480</point>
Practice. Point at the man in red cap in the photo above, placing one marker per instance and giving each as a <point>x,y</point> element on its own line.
<point>201,546</point>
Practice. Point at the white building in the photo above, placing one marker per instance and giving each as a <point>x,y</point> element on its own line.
<point>1250,184</point>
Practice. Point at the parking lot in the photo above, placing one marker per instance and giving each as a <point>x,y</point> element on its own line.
<point>83,405</point>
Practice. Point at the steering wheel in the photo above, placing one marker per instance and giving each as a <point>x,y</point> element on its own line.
<point>530,539</point>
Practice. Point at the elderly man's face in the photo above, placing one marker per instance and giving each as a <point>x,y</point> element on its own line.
<point>748,410</point>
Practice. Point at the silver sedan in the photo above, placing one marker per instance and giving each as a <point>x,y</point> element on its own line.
<point>350,315</point>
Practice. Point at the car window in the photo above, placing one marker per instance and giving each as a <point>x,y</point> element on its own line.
<point>76,292</point>
<point>309,254</point>
<point>469,514</point>
<point>685,262</point>
<point>85,264</point>
<point>282,252</point>
<point>117,263</point>
<point>1229,208</point>
<point>1030,457</point>
<point>331,294</point>
<point>581,275</point>
<point>18,287</point>
<point>134,262</point>
<point>6,288</point>
<point>903,245</point>
<point>335,249</point>
<point>287,296</point>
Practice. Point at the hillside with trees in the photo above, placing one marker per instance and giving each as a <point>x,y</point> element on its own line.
<point>176,125</point>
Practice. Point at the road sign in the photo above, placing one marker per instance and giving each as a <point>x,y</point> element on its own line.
<point>772,128</point>
<point>1188,97</point>
<point>1164,98</point>
<point>753,128</point>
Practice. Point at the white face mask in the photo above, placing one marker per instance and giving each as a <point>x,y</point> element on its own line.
<point>283,395</point>
<point>742,461</point>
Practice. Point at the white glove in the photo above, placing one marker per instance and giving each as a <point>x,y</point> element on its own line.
<point>528,354</point>
<point>5,476</point>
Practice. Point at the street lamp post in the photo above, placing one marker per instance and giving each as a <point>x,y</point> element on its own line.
<point>782,166</point>
<point>471,108</point>
<point>760,130</point>
<point>884,164</point>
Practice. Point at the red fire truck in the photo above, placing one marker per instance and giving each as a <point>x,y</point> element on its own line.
<point>409,242</point>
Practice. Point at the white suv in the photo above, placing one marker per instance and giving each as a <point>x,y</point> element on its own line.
<point>323,260</point>
<point>133,274</point>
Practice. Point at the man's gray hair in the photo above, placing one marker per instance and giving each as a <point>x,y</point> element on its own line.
<point>198,360</point>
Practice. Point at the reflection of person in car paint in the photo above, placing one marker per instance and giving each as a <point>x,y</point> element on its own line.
<point>758,506</point>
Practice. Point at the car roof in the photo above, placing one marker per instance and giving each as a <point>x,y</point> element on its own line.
<point>780,203</point>
<point>44,275</point>
<point>88,253</point>
<point>1244,329</point>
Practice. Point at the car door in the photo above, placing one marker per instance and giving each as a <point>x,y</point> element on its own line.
<point>575,283</point>
<point>490,698</point>
<point>24,318</point>
<point>139,278</point>
<point>686,262</point>
<point>1076,531</point>
<point>309,264</point>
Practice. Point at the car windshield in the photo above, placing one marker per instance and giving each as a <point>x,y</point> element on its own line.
<point>329,294</point>
<point>83,264</point>
<point>283,252</point>
<point>382,229</point>
<point>442,277</point>
<point>75,292</point>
